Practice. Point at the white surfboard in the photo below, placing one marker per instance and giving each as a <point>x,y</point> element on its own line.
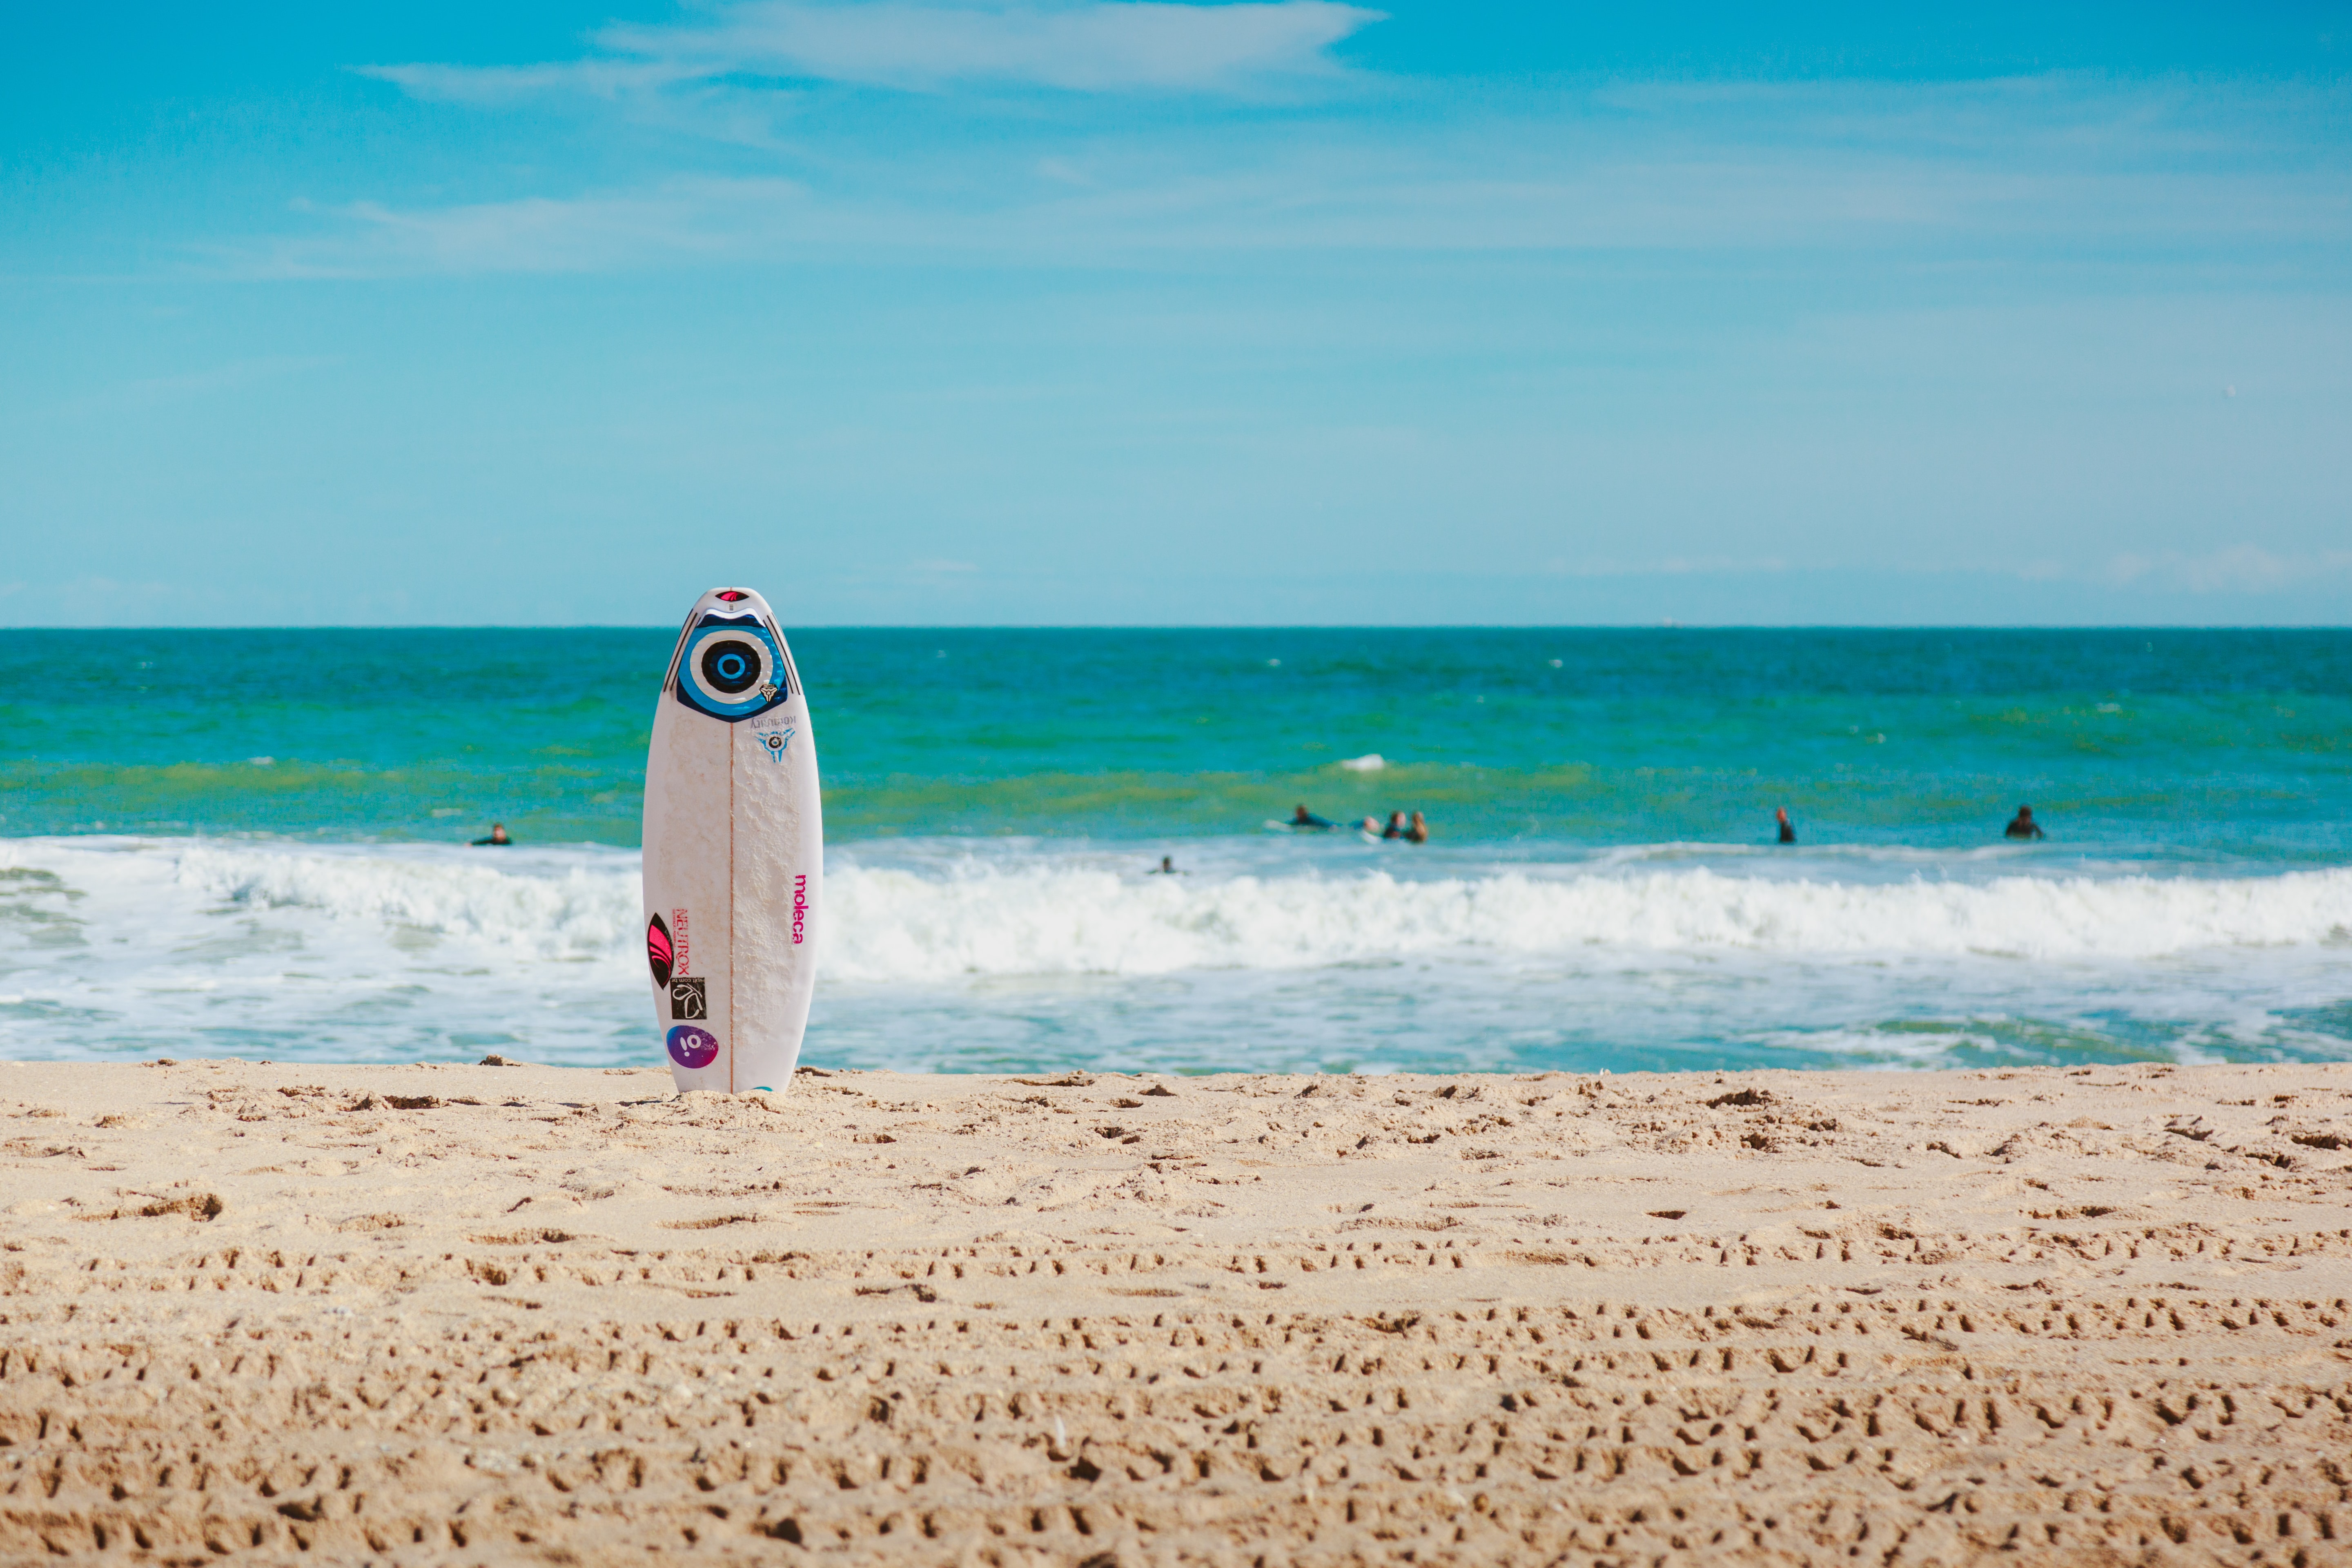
<point>734,857</point>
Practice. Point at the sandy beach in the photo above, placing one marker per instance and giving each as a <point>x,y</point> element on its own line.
<point>497,1314</point>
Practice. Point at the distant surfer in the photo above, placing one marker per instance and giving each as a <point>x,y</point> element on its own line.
<point>1419,832</point>
<point>497,836</point>
<point>1300,817</point>
<point>1167,867</point>
<point>1396,829</point>
<point>2022,825</point>
<point>1788,829</point>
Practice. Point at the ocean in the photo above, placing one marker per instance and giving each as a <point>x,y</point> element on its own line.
<point>254,844</point>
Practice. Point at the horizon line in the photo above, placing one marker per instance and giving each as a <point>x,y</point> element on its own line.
<point>2137,627</point>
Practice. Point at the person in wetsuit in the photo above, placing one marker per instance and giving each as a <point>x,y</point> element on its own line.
<point>1302,817</point>
<point>1419,832</point>
<point>1788,829</point>
<point>2022,825</point>
<point>497,836</point>
<point>1396,829</point>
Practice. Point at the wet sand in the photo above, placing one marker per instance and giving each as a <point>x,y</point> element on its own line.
<point>514,1314</point>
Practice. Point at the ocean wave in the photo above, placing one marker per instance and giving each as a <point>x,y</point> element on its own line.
<point>895,925</point>
<point>889,923</point>
<point>577,910</point>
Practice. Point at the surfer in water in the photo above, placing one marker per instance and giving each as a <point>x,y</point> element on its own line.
<point>1396,829</point>
<point>1419,832</point>
<point>1167,867</point>
<point>1300,817</point>
<point>497,836</point>
<point>2022,825</point>
<point>1788,829</point>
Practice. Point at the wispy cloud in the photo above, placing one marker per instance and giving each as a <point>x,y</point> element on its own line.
<point>681,221</point>
<point>1669,566</point>
<point>1099,47</point>
<point>235,376</point>
<point>2234,569</point>
<point>1592,179</point>
<point>1366,197</point>
<point>1963,170</point>
<point>508,84</point>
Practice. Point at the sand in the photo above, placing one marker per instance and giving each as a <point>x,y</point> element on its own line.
<point>507,1314</point>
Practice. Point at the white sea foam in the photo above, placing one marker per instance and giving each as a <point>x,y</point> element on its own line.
<point>898,925</point>
<point>574,906</point>
<point>974,918</point>
<point>359,953</point>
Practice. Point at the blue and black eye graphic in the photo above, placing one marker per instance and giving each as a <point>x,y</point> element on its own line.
<point>729,665</point>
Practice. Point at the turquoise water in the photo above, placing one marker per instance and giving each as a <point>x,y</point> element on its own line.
<point>2233,745</point>
<point>257,836</point>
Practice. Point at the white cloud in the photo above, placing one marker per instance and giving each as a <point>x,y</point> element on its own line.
<point>1670,566</point>
<point>233,376</point>
<point>1103,46</point>
<point>2236,569</point>
<point>683,220</point>
<point>507,84</point>
<point>1808,166</point>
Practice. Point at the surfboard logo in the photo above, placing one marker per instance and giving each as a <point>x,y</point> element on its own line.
<point>731,667</point>
<point>659,951</point>
<point>777,741</point>
<point>689,996</point>
<point>691,1046</point>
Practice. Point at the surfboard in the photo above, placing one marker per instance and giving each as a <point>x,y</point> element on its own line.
<point>734,851</point>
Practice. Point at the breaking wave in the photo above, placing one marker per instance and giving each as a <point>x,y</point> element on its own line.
<point>897,925</point>
<point>972,918</point>
<point>404,952</point>
<point>577,910</point>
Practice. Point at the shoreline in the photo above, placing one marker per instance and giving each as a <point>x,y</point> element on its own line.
<point>500,1314</point>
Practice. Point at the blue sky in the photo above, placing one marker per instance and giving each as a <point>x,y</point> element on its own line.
<point>1079,313</point>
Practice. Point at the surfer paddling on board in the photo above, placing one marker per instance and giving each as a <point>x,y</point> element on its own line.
<point>2022,825</point>
<point>1788,829</point>
<point>1301,818</point>
<point>1167,867</point>
<point>497,836</point>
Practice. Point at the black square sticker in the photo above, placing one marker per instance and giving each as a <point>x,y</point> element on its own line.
<point>687,999</point>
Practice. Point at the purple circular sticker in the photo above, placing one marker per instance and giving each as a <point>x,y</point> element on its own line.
<point>693,1047</point>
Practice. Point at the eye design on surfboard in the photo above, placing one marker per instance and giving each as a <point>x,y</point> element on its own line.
<point>732,666</point>
<point>729,665</point>
<point>659,951</point>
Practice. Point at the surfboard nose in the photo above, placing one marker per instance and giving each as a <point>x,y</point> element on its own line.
<point>732,602</point>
